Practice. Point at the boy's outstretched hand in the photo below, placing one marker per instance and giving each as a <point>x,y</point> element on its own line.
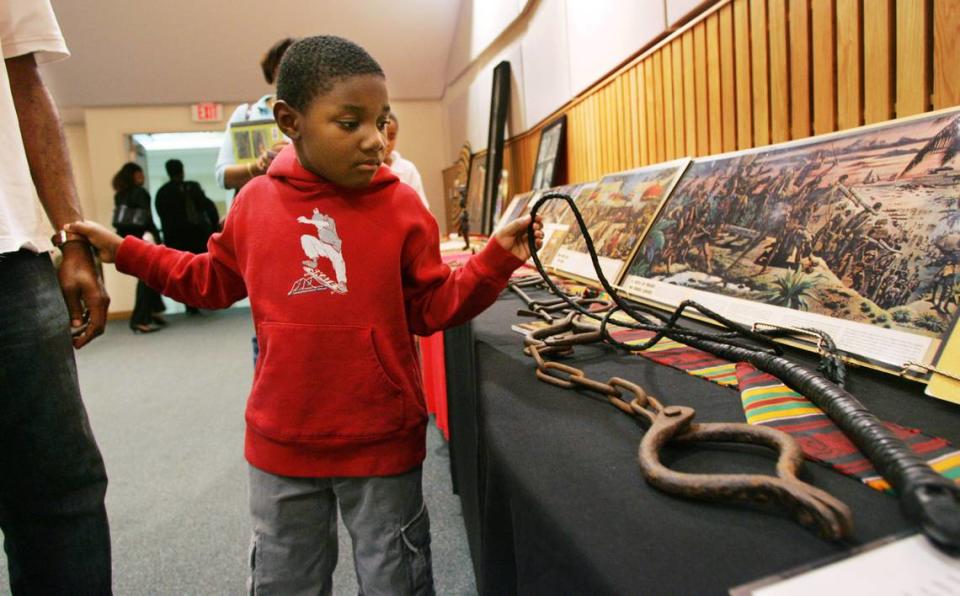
<point>105,241</point>
<point>513,236</point>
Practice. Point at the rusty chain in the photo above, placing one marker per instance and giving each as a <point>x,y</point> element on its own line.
<point>809,505</point>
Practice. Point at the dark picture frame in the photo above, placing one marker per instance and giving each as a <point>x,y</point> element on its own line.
<point>499,106</point>
<point>549,170</point>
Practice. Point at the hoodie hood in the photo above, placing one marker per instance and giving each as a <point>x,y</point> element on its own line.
<point>287,169</point>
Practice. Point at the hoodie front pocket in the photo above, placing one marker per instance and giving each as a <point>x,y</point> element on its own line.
<point>322,381</point>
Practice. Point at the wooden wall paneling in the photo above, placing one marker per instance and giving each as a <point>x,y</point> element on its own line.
<point>779,71</point>
<point>679,136</point>
<point>609,158</point>
<point>714,99</point>
<point>657,66</point>
<point>913,80</point>
<point>614,106</point>
<point>741,44</point>
<point>946,53</point>
<point>760,72</point>
<point>878,62</point>
<point>623,115</point>
<point>644,130</point>
<point>577,148</point>
<point>669,126</point>
<point>700,68</point>
<point>576,144</point>
<point>589,139</point>
<point>634,121</point>
<point>652,146</point>
<point>822,20</point>
<point>689,95</point>
<point>603,115</point>
<point>849,61</point>
<point>728,78</point>
<point>800,58</point>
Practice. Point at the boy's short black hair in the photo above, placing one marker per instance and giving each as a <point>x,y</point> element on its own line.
<point>311,66</point>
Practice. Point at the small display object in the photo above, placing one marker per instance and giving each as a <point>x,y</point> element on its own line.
<point>252,138</point>
<point>546,173</point>
<point>454,180</point>
<point>557,217</point>
<point>855,233</point>
<point>617,214</point>
<point>478,171</point>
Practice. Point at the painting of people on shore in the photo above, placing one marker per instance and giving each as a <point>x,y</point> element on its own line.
<point>862,225</point>
<point>616,214</point>
<point>556,216</point>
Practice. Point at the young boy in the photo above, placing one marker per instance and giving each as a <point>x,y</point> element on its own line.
<point>336,413</point>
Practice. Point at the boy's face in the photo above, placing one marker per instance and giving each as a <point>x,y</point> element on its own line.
<point>340,135</point>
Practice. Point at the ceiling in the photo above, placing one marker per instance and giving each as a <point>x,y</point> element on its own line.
<point>135,52</point>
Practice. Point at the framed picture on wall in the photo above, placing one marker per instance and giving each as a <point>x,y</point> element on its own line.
<point>548,169</point>
<point>499,106</point>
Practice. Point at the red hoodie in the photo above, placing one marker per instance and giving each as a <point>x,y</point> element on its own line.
<point>337,279</point>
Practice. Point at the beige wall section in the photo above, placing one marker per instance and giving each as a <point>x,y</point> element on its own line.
<point>421,141</point>
<point>98,147</point>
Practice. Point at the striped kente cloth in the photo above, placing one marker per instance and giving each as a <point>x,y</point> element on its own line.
<point>769,402</point>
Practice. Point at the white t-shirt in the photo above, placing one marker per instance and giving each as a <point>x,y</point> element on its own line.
<point>408,174</point>
<point>26,26</point>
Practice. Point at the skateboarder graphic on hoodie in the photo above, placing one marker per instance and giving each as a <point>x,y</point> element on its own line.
<point>325,244</point>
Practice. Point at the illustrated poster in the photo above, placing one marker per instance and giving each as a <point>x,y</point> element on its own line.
<point>856,233</point>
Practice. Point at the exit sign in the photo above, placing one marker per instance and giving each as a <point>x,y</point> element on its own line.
<point>207,112</point>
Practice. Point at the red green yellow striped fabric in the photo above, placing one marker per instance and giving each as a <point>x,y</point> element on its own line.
<point>769,402</point>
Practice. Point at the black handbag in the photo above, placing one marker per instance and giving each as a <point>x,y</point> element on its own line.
<point>125,216</point>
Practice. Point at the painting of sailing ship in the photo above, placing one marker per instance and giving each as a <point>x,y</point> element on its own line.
<point>862,225</point>
<point>616,214</point>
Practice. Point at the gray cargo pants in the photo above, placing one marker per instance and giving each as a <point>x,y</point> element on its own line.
<point>294,545</point>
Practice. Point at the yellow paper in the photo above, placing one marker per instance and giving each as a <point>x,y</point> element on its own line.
<point>250,139</point>
<point>941,386</point>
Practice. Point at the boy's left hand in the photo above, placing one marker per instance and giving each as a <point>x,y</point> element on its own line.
<point>513,236</point>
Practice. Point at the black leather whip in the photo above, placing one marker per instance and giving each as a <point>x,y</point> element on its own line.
<point>926,497</point>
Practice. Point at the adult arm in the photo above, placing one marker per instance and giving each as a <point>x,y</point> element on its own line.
<point>49,161</point>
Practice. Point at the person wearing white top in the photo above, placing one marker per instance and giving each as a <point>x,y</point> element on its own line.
<point>403,168</point>
<point>230,174</point>
<point>52,477</point>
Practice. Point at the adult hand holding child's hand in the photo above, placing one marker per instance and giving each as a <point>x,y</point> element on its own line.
<point>105,241</point>
<point>513,236</point>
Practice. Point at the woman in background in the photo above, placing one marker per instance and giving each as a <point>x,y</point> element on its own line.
<point>137,221</point>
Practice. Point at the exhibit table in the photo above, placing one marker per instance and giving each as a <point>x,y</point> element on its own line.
<point>554,500</point>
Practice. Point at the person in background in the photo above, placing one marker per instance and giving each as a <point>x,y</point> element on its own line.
<point>52,478</point>
<point>336,414</point>
<point>403,168</point>
<point>231,175</point>
<point>188,217</point>
<point>129,193</point>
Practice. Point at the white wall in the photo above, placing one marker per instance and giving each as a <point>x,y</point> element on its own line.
<point>557,49</point>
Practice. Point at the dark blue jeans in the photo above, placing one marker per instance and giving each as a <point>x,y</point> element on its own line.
<point>52,478</point>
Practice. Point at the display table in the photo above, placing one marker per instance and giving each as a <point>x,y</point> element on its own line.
<point>554,500</point>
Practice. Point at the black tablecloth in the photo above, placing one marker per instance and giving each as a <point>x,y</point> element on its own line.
<point>554,500</point>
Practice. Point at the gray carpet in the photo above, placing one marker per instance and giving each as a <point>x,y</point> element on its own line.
<point>167,411</point>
